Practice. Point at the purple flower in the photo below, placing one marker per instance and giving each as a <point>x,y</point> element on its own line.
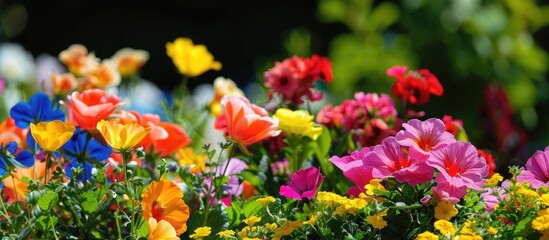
<point>537,169</point>
<point>303,184</point>
<point>424,137</point>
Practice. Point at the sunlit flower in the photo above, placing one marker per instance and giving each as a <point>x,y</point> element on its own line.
<point>201,232</point>
<point>63,84</point>
<point>163,201</point>
<point>354,169</point>
<point>544,199</point>
<point>266,200</point>
<point>226,234</point>
<point>252,220</point>
<point>51,135</point>
<point>373,186</point>
<point>303,184</point>
<point>445,228</point>
<point>102,76</point>
<point>494,180</point>
<point>297,123</point>
<point>445,210</point>
<point>223,87</point>
<point>129,60</point>
<point>191,60</point>
<point>196,162</point>
<point>86,109</point>
<point>414,86</point>
<point>423,137</point>
<point>39,109</point>
<point>77,59</point>
<point>161,230</point>
<point>247,123</point>
<point>311,221</point>
<point>11,133</point>
<point>122,137</point>
<point>427,236</point>
<point>377,220</point>
<point>536,171</point>
<point>15,186</point>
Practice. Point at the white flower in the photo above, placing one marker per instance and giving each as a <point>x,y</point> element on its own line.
<point>16,64</point>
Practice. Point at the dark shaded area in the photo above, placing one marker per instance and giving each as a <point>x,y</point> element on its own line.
<point>236,32</point>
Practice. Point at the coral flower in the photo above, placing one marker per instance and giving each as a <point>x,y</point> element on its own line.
<point>63,83</point>
<point>86,109</point>
<point>536,171</point>
<point>77,59</point>
<point>297,123</point>
<point>11,133</point>
<point>303,184</point>
<point>414,86</point>
<point>459,165</point>
<point>130,60</point>
<point>15,186</point>
<point>247,123</point>
<point>191,60</point>
<point>163,201</point>
<point>51,135</point>
<point>424,137</point>
<point>389,159</point>
<point>102,76</point>
<point>161,230</point>
<point>122,137</point>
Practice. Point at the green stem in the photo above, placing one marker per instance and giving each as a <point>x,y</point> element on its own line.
<point>73,212</point>
<point>5,213</point>
<point>53,229</point>
<point>117,218</point>
<point>48,166</point>
<point>126,156</point>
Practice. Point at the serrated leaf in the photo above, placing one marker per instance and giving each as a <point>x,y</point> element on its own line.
<point>47,201</point>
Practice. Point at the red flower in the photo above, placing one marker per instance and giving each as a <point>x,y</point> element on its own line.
<point>452,125</point>
<point>489,161</point>
<point>414,86</point>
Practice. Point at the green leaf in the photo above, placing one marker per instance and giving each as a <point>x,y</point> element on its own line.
<point>44,223</point>
<point>233,214</point>
<point>143,230</point>
<point>90,204</point>
<point>524,226</point>
<point>48,200</point>
<point>251,208</point>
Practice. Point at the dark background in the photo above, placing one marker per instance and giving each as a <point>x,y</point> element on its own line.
<point>237,33</point>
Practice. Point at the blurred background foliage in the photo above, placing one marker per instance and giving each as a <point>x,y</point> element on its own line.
<point>468,44</point>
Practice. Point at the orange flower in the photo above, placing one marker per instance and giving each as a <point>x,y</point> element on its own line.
<point>63,83</point>
<point>161,230</point>
<point>77,59</point>
<point>223,87</point>
<point>130,60</point>
<point>86,109</point>
<point>102,76</point>
<point>11,133</point>
<point>163,201</point>
<point>247,123</point>
<point>18,191</point>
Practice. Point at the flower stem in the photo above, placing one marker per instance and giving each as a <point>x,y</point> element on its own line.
<point>117,218</point>
<point>53,229</point>
<point>126,155</point>
<point>5,213</point>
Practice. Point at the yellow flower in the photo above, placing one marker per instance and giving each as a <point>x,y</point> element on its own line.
<point>329,198</point>
<point>226,234</point>
<point>311,221</point>
<point>492,230</point>
<point>287,228</point>
<point>377,220</point>
<point>248,238</point>
<point>355,204</point>
<point>445,227</point>
<point>298,122</point>
<point>543,212</point>
<point>223,87</point>
<point>373,186</point>
<point>251,221</point>
<point>129,60</point>
<point>246,231</point>
<point>271,226</point>
<point>196,162</point>
<point>161,230</point>
<point>201,232</point>
<point>122,137</point>
<point>527,193</point>
<point>426,236</point>
<point>266,200</point>
<point>51,135</point>
<point>541,223</point>
<point>544,199</point>
<point>445,210</point>
<point>191,60</point>
<point>494,180</point>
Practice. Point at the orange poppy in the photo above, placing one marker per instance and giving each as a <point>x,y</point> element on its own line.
<point>163,201</point>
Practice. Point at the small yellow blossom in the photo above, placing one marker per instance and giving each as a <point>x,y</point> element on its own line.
<point>373,186</point>
<point>271,226</point>
<point>541,223</point>
<point>252,220</point>
<point>311,221</point>
<point>201,232</point>
<point>187,157</point>
<point>51,135</point>
<point>467,232</point>
<point>426,236</point>
<point>226,234</point>
<point>245,232</point>
<point>287,228</point>
<point>494,180</point>
<point>297,123</point>
<point>492,230</point>
<point>330,199</point>
<point>377,220</point>
<point>266,200</point>
<point>544,199</point>
<point>191,60</point>
<point>122,137</point>
<point>527,193</point>
<point>543,212</point>
<point>445,227</point>
<point>445,210</point>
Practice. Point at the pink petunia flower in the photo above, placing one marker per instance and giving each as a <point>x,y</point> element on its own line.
<point>353,169</point>
<point>447,192</point>
<point>492,197</point>
<point>537,169</point>
<point>459,165</point>
<point>424,137</point>
<point>390,160</point>
<point>303,184</point>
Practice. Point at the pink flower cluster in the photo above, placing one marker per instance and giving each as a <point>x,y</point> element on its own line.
<point>412,157</point>
<point>369,116</point>
<point>293,78</point>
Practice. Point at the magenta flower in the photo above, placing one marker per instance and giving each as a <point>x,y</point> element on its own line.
<point>303,184</point>
<point>390,160</point>
<point>537,170</point>
<point>424,137</point>
<point>353,169</point>
<point>448,192</point>
<point>459,165</point>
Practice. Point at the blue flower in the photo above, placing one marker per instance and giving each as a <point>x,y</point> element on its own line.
<point>39,109</point>
<point>82,147</point>
<point>10,158</point>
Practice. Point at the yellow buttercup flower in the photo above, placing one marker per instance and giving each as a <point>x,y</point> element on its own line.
<point>494,180</point>
<point>373,186</point>
<point>287,228</point>
<point>445,210</point>
<point>271,226</point>
<point>427,236</point>
<point>226,234</point>
<point>266,200</point>
<point>544,199</point>
<point>251,221</point>
<point>377,220</point>
<point>51,135</point>
<point>298,122</point>
<point>191,60</point>
<point>445,227</point>
<point>201,232</point>
<point>541,223</point>
<point>492,230</point>
<point>196,162</point>
<point>122,137</point>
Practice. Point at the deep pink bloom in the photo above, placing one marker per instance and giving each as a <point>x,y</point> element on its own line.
<point>459,165</point>
<point>424,137</point>
<point>390,160</point>
<point>377,106</point>
<point>303,184</point>
<point>448,192</point>
<point>537,169</point>
<point>353,167</point>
